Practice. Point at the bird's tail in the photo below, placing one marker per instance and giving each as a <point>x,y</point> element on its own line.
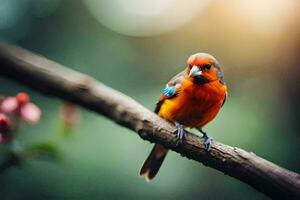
<point>153,162</point>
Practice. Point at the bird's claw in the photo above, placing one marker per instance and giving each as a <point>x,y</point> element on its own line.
<point>180,132</point>
<point>207,142</point>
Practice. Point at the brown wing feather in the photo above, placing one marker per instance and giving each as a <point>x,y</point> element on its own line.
<point>175,80</point>
<point>224,99</point>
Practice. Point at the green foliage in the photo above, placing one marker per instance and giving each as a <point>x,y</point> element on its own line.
<point>43,150</point>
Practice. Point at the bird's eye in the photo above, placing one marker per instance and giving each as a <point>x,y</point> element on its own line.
<point>207,66</point>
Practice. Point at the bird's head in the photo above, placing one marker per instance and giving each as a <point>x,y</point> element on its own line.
<point>203,68</point>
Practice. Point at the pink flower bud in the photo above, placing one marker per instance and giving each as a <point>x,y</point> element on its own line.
<point>4,121</point>
<point>30,113</point>
<point>69,114</point>
<point>9,105</point>
<point>22,98</point>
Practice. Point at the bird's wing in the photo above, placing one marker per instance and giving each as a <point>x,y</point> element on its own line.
<point>224,99</point>
<point>171,89</point>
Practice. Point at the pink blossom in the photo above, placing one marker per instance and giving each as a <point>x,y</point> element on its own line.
<point>30,113</point>
<point>4,121</point>
<point>4,127</point>
<point>9,105</point>
<point>20,106</point>
<point>13,108</point>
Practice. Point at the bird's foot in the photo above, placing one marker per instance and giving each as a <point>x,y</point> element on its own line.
<point>207,140</point>
<point>180,132</point>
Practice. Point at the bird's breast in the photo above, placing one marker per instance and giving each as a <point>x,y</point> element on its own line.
<point>195,105</point>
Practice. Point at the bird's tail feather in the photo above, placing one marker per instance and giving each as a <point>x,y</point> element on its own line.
<point>153,162</point>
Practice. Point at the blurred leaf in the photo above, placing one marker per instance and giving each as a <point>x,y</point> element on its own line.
<point>42,150</point>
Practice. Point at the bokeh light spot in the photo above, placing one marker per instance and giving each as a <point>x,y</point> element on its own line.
<point>145,18</point>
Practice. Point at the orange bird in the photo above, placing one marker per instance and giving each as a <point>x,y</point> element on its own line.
<point>191,99</point>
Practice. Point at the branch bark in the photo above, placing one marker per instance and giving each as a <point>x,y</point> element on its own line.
<point>54,79</point>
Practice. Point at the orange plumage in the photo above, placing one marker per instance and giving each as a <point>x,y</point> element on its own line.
<point>195,105</point>
<point>191,99</point>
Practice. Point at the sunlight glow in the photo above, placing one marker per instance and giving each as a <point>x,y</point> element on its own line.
<point>143,17</point>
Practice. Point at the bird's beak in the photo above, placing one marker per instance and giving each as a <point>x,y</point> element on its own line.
<point>195,71</point>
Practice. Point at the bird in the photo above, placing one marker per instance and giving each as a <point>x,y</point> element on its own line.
<point>191,99</point>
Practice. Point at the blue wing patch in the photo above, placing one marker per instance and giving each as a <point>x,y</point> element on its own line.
<point>170,90</point>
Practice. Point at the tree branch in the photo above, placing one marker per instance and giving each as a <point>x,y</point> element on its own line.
<point>53,79</point>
